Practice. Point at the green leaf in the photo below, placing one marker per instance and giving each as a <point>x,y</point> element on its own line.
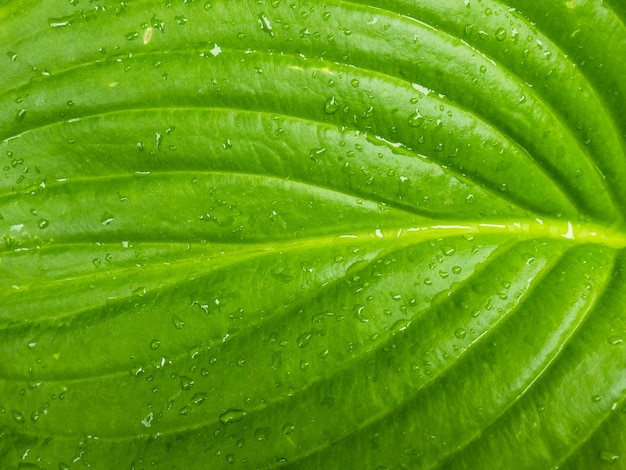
<point>312,234</point>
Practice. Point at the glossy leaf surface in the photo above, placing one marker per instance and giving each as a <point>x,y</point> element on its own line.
<point>312,234</point>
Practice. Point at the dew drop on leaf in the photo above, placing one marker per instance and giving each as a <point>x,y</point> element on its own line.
<point>608,456</point>
<point>198,398</point>
<point>460,333</point>
<point>186,383</point>
<point>106,218</point>
<point>262,434</point>
<point>232,416</point>
<point>304,339</point>
<point>154,344</point>
<point>18,416</point>
<point>501,34</point>
<point>179,324</point>
<point>331,106</point>
<point>416,119</point>
<point>266,25</point>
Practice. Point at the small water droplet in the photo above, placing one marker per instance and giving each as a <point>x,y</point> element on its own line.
<point>43,223</point>
<point>262,434</point>
<point>198,398</point>
<point>185,410</point>
<point>147,421</point>
<point>304,339</point>
<point>186,383</point>
<point>266,25</point>
<point>460,333</point>
<point>289,428</point>
<point>615,340</point>
<point>154,344</point>
<point>106,218</point>
<point>18,416</point>
<point>448,250</point>
<point>608,456</point>
<point>179,324</point>
<point>232,416</point>
<point>331,106</point>
<point>416,119</point>
<point>501,34</point>
<point>21,114</point>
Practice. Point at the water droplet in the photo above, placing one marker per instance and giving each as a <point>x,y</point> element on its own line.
<point>21,114</point>
<point>331,106</point>
<point>106,218</point>
<point>460,333</point>
<point>185,410</point>
<point>186,383</point>
<point>501,34</point>
<point>178,322</point>
<point>416,119</point>
<point>198,398</point>
<point>289,428</point>
<point>147,421</point>
<point>355,83</point>
<point>18,416</point>
<point>154,344</point>
<point>43,223</point>
<point>266,25</point>
<point>448,250</point>
<point>615,340</point>
<point>326,15</point>
<point>230,458</point>
<point>262,434</point>
<point>232,416</point>
<point>304,339</point>
<point>608,456</point>
<point>483,69</point>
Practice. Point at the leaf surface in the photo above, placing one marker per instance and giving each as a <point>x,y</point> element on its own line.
<point>313,234</point>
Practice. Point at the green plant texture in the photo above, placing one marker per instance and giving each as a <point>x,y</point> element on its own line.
<point>315,234</point>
